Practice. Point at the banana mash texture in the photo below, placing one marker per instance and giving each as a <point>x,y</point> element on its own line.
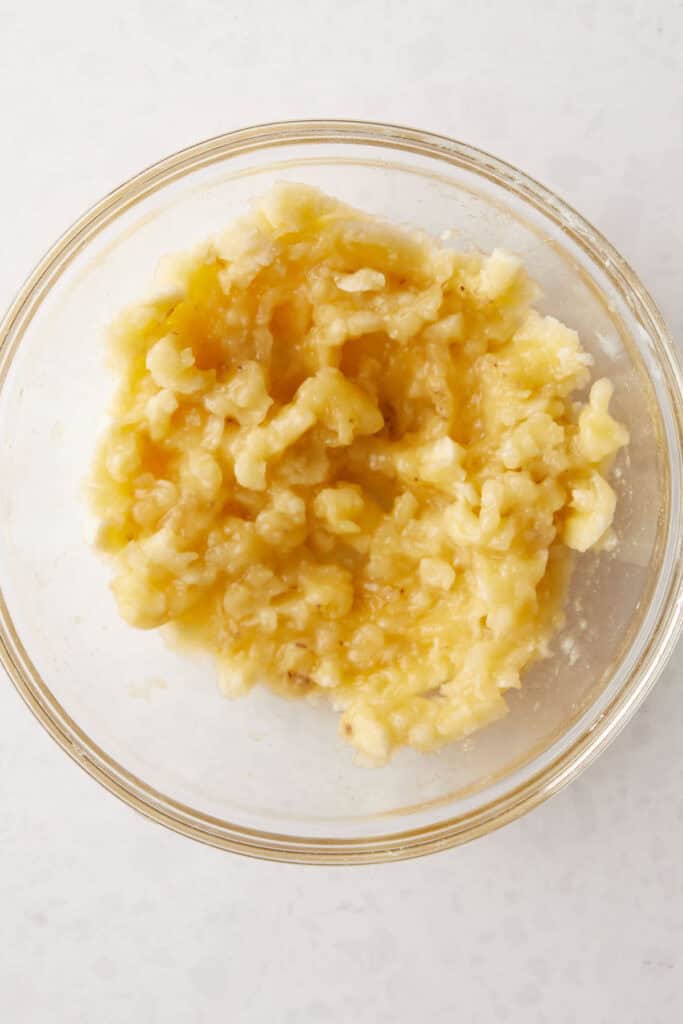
<point>348,461</point>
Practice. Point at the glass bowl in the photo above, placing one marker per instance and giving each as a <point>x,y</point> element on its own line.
<point>262,775</point>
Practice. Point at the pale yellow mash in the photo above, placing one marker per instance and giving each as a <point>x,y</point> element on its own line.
<point>347,461</point>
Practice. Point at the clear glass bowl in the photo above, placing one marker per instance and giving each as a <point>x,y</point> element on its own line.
<point>262,775</point>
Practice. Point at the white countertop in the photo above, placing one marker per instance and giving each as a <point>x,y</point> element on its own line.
<point>574,913</point>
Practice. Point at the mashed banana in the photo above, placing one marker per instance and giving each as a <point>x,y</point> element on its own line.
<point>347,461</point>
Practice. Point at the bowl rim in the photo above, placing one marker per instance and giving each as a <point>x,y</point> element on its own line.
<point>586,747</point>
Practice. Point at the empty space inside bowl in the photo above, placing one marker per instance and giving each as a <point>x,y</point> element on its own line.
<point>261,760</point>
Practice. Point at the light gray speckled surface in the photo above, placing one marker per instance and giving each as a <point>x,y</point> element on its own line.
<point>574,913</point>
